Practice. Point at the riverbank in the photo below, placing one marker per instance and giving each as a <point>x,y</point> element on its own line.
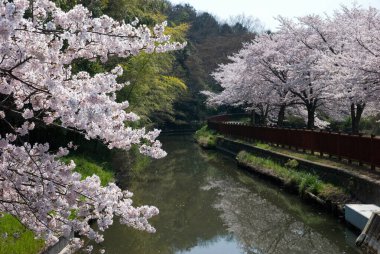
<point>15,238</point>
<point>355,186</point>
<point>309,186</point>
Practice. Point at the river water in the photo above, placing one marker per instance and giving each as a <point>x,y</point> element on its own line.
<point>208,205</point>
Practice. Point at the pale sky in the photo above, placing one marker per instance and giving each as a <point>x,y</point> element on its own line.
<point>266,10</point>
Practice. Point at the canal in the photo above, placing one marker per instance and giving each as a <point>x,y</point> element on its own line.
<point>208,205</point>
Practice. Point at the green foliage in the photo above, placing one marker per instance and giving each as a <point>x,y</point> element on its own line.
<point>66,5</point>
<point>178,33</point>
<point>370,125</point>
<point>310,183</point>
<point>87,167</point>
<point>294,122</point>
<point>182,14</point>
<point>293,164</point>
<point>149,12</point>
<point>20,240</point>
<point>151,92</point>
<point>263,146</point>
<point>85,65</point>
<point>305,181</point>
<point>206,137</point>
<point>367,125</point>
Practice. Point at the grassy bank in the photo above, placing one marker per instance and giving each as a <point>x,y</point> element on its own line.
<point>206,137</point>
<point>87,167</point>
<point>16,238</point>
<point>288,174</point>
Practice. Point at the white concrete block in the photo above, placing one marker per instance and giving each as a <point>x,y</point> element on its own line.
<point>359,214</point>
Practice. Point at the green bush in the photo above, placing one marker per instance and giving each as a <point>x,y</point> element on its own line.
<point>292,164</point>
<point>310,183</point>
<point>206,137</point>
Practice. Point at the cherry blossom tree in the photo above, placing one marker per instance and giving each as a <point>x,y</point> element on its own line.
<point>39,42</point>
<point>240,90</point>
<point>268,64</point>
<point>256,78</point>
<point>353,60</point>
<point>324,64</point>
<point>307,80</point>
<point>345,49</point>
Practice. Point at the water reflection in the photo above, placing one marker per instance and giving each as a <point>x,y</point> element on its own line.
<point>262,227</point>
<point>221,245</point>
<point>208,206</point>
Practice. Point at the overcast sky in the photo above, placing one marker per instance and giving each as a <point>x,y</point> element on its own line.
<point>266,10</point>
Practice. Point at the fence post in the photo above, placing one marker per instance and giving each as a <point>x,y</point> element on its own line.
<point>321,152</point>
<point>339,156</point>
<point>372,151</point>
<point>349,159</point>
<point>312,147</point>
<point>330,150</point>
<point>303,148</point>
<point>360,162</point>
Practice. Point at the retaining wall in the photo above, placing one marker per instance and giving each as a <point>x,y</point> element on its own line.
<point>361,187</point>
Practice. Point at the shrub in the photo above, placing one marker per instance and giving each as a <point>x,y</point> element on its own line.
<point>292,163</point>
<point>206,137</point>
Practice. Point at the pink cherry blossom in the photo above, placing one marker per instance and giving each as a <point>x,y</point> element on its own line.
<point>37,83</point>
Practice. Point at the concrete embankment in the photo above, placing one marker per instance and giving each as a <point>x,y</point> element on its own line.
<point>361,187</point>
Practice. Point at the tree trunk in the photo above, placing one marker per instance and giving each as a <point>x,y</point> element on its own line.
<point>281,116</point>
<point>263,120</point>
<point>253,115</point>
<point>310,117</point>
<point>259,119</point>
<point>356,114</point>
<point>263,115</point>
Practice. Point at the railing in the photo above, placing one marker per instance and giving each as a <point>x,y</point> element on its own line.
<point>364,149</point>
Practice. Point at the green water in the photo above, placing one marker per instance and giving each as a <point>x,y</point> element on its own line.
<point>208,205</point>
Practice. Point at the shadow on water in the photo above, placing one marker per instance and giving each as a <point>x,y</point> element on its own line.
<point>208,205</point>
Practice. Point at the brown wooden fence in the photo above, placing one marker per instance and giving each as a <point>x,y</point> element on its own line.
<point>364,149</point>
